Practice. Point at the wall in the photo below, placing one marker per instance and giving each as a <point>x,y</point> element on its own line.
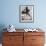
<point>9,13</point>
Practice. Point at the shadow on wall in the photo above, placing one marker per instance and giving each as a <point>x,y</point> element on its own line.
<point>2,26</point>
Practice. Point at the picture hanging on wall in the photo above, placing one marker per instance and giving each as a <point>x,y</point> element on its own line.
<point>26,13</point>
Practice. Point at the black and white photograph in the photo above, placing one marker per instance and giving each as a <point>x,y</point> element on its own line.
<point>26,13</point>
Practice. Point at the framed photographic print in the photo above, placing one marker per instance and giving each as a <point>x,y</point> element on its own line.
<point>26,13</point>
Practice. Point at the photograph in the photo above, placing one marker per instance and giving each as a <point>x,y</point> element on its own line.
<point>26,13</point>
